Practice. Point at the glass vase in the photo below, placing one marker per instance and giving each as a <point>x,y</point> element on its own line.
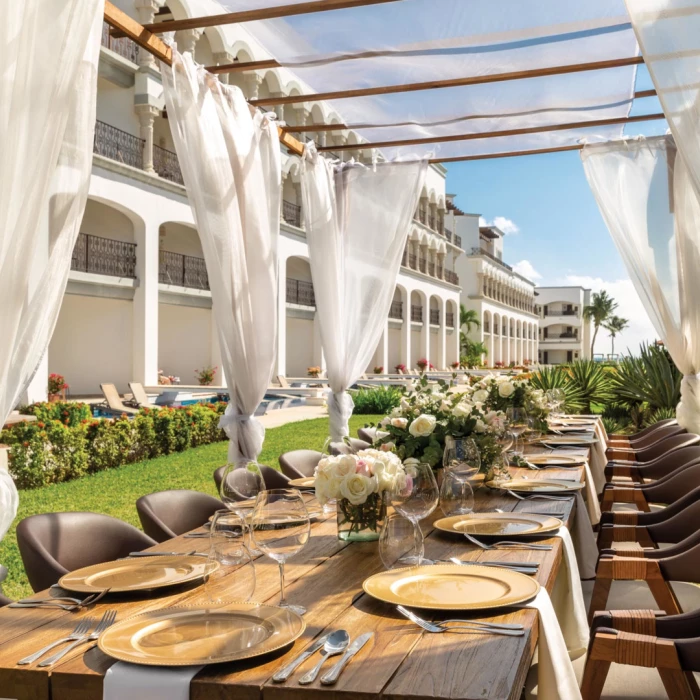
<point>363,522</point>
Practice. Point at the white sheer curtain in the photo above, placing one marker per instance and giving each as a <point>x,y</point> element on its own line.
<point>230,159</point>
<point>357,220</point>
<point>648,201</point>
<point>49,51</point>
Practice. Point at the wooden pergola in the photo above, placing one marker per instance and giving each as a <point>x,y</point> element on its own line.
<point>146,36</point>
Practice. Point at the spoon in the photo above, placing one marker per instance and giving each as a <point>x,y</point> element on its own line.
<point>335,644</point>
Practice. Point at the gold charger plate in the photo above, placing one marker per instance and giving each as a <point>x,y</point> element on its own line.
<point>499,524</point>
<point>138,574</point>
<point>192,636</point>
<point>556,460</point>
<point>452,587</point>
<point>536,485</point>
<point>307,482</point>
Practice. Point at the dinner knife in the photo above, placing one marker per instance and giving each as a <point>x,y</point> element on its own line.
<point>287,671</point>
<point>332,676</point>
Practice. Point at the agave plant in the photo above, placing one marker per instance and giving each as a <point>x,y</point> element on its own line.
<point>658,415</point>
<point>593,381</point>
<point>556,377</point>
<point>651,379</point>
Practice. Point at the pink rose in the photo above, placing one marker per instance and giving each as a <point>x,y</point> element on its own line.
<point>363,468</point>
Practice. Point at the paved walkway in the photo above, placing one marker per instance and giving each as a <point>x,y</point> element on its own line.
<point>282,416</point>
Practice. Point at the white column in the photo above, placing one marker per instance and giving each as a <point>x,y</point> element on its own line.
<point>425,330</point>
<point>147,114</point>
<point>146,10</point>
<point>187,39</point>
<point>406,332</point>
<point>223,58</point>
<point>252,82</point>
<point>440,361</point>
<point>282,316</point>
<point>145,306</point>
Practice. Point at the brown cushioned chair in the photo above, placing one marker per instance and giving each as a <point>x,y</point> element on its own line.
<point>657,468</point>
<point>351,446</point>
<point>300,463</point>
<point>643,638</point>
<point>621,450</point>
<point>367,434</point>
<point>659,450</point>
<point>272,478</point>
<point>52,544</point>
<point>167,514</point>
<point>638,438</point>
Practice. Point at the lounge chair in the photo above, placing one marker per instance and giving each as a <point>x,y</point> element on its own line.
<point>283,381</point>
<point>140,399</point>
<point>113,401</point>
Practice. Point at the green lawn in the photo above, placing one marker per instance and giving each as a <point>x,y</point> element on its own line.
<point>115,492</point>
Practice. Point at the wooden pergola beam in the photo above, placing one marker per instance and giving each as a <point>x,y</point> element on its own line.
<point>301,8</point>
<point>154,45</point>
<point>511,154</point>
<point>454,82</point>
<point>494,134</point>
<point>245,66</point>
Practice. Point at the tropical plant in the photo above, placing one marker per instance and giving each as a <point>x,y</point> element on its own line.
<point>377,400</point>
<point>468,318</point>
<point>473,351</point>
<point>615,325</point>
<point>593,381</point>
<point>651,379</point>
<point>556,377</point>
<point>205,376</point>
<point>658,415</point>
<point>599,311</point>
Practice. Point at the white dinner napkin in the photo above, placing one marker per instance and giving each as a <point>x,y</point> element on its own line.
<point>125,681</point>
<point>556,678</point>
<point>584,540</point>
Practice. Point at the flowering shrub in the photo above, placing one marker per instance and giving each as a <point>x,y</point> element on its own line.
<point>422,364</point>
<point>499,364</point>
<point>314,372</point>
<point>57,383</point>
<point>378,369</point>
<point>69,413</point>
<point>400,368</point>
<point>455,365</point>
<point>51,451</point>
<point>205,376</point>
<point>428,414</point>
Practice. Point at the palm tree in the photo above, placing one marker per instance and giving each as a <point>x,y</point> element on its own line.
<point>615,325</point>
<point>468,318</point>
<point>599,311</point>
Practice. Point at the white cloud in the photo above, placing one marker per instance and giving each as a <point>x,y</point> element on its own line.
<point>629,306</point>
<point>526,269</point>
<point>508,226</point>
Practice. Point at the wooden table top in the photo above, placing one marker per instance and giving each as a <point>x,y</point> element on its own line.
<point>401,661</point>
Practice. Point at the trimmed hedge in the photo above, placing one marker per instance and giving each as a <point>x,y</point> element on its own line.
<point>67,412</point>
<point>50,451</point>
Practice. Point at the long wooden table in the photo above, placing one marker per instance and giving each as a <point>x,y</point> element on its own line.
<point>401,661</point>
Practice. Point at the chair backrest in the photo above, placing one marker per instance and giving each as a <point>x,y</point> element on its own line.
<point>272,478</point>
<point>368,435</point>
<point>343,448</point>
<point>299,463</point>
<point>669,462</point>
<point>673,486</point>
<point>666,446</point>
<point>167,514</point>
<point>112,397</point>
<point>139,393</point>
<point>283,381</point>
<point>651,428</point>
<point>656,436</point>
<point>52,544</point>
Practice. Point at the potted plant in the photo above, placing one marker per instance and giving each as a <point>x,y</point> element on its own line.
<point>400,369</point>
<point>314,372</point>
<point>455,365</point>
<point>205,376</point>
<point>378,369</point>
<point>57,387</point>
<point>422,364</point>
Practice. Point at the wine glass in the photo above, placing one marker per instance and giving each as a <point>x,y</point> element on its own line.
<point>534,429</point>
<point>462,457</point>
<point>281,528</point>
<point>415,497</point>
<point>228,550</point>
<point>397,542</point>
<point>240,485</point>
<point>456,495</point>
<point>500,468</point>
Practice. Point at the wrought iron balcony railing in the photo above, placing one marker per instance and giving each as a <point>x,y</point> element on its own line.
<point>118,145</point>
<point>125,47</point>
<point>451,277</point>
<point>457,240</point>
<point>291,213</point>
<point>182,270</point>
<point>435,317</point>
<point>396,310</point>
<point>300,292</point>
<point>104,256</point>
<point>166,164</point>
<point>450,319</point>
<point>417,313</point>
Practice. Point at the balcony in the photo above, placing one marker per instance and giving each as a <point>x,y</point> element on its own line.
<point>431,269</point>
<point>125,47</point>
<point>448,234</point>
<point>487,327</point>
<point>457,240</point>
<point>104,256</point>
<point>451,277</point>
<point>396,310</point>
<point>118,145</point>
<point>440,271</point>
<point>434,317</point>
<point>417,314</point>
<point>166,164</point>
<point>450,319</point>
<point>182,270</point>
<point>300,292</point>
<point>485,253</point>
<point>291,213</point>
<point>561,312</point>
<point>413,261</point>
<point>432,222</point>
<point>422,264</point>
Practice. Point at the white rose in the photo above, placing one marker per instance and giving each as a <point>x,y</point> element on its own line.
<point>343,465</point>
<point>445,406</point>
<point>461,410</point>
<point>404,405</point>
<point>386,473</point>
<point>480,396</point>
<point>356,488</point>
<point>422,426</point>
<point>480,426</point>
<point>506,389</point>
<point>323,485</point>
<point>399,423</point>
<point>387,446</point>
<point>384,422</point>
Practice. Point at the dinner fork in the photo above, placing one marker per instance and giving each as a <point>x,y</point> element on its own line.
<point>497,625</point>
<point>106,621</point>
<point>80,629</point>
<point>475,629</point>
<point>507,544</point>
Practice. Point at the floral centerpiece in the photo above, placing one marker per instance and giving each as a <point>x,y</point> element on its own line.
<point>359,482</point>
<point>501,392</point>
<point>428,415</point>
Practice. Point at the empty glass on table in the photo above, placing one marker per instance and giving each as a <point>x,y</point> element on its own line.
<point>240,485</point>
<point>281,529</point>
<point>397,542</point>
<point>461,457</point>
<point>456,495</point>
<point>517,425</point>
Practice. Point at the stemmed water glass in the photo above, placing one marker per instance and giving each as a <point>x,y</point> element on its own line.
<point>462,458</point>
<point>456,495</point>
<point>230,553</point>
<point>517,424</point>
<point>397,542</point>
<point>281,528</point>
<point>240,485</point>
<point>416,497</point>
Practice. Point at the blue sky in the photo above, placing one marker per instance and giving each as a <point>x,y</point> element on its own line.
<point>560,233</point>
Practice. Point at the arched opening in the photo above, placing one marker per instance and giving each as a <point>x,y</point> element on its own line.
<point>397,317</point>
<point>436,335</point>
<point>303,343</point>
<point>418,319</point>
<point>291,197</point>
<point>496,340</point>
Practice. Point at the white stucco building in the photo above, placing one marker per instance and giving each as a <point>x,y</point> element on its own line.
<point>564,334</point>
<point>503,299</point>
<point>138,296</point>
